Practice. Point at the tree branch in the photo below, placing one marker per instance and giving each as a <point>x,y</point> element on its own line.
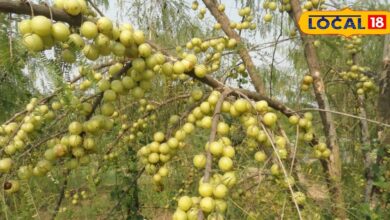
<point>213,132</point>
<point>96,8</point>
<point>242,50</point>
<point>19,7</point>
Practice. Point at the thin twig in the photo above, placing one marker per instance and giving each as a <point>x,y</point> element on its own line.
<point>3,200</point>
<point>278,158</point>
<point>96,8</point>
<point>42,142</point>
<point>62,195</point>
<point>10,38</point>
<point>213,132</point>
<point>283,169</point>
<point>345,114</point>
<point>273,55</point>
<point>295,150</point>
<point>33,201</point>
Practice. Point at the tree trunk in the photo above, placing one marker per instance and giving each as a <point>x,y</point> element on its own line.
<point>365,140</point>
<point>383,111</point>
<point>384,95</point>
<point>334,163</point>
<point>366,143</point>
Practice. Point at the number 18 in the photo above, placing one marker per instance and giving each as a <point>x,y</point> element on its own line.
<point>377,22</point>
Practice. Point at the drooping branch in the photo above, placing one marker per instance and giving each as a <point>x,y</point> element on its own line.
<point>96,103</point>
<point>242,50</point>
<point>62,195</point>
<point>56,91</point>
<point>20,7</point>
<point>210,81</point>
<point>334,163</point>
<point>381,124</point>
<point>213,133</point>
<point>272,142</point>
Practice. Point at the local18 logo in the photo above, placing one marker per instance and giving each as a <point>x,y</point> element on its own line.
<point>345,22</point>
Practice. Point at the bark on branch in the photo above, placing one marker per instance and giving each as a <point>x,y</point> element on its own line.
<point>242,50</point>
<point>213,133</point>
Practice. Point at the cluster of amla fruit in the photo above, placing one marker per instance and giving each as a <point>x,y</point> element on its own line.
<point>73,7</point>
<point>155,155</point>
<point>285,6</point>
<point>352,44</point>
<point>202,11</point>
<point>310,5</point>
<point>135,82</point>
<point>212,57</point>
<point>306,82</point>
<point>271,5</point>
<point>212,194</point>
<point>245,13</point>
<point>97,37</point>
<point>103,38</point>
<point>74,148</point>
<point>321,151</point>
<point>15,136</point>
<point>158,153</point>
<point>305,124</point>
<point>247,20</point>
<point>135,129</point>
<point>76,196</point>
<point>39,33</point>
<point>123,41</point>
<point>211,200</point>
<point>364,83</point>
